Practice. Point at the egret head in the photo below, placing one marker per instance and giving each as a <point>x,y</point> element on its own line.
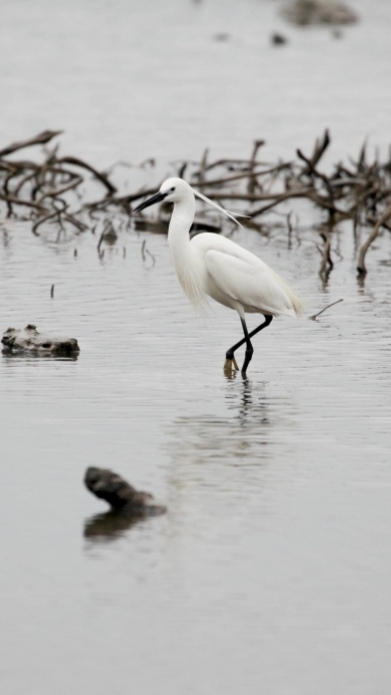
<point>171,191</point>
<point>176,190</point>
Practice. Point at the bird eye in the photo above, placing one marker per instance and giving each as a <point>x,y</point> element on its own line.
<point>172,189</point>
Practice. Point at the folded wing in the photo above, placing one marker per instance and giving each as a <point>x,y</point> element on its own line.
<point>251,283</point>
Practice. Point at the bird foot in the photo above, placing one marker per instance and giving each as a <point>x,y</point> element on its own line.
<point>230,365</point>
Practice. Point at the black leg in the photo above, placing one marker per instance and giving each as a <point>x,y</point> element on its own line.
<point>247,340</point>
<point>249,348</point>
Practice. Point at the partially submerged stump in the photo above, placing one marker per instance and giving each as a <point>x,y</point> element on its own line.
<point>29,340</point>
<point>120,495</point>
<point>304,12</point>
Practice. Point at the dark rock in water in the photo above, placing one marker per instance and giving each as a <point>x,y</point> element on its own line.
<point>30,341</point>
<point>121,496</point>
<point>304,12</point>
<point>278,39</point>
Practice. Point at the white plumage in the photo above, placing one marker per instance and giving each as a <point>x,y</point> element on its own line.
<point>213,266</point>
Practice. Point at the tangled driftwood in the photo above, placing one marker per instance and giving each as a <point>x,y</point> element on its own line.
<point>49,192</point>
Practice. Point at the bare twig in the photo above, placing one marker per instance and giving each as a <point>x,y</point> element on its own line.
<point>319,150</point>
<point>252,163</point>
<point>145,252</point>
<point>359,191</point>
<point>203,165</point>
<point>54,193</point>
<point>279,198</point>
<point>40,139</point>
<point>19,201</point>
<point>315,316</point>
<point>327,262</point>
<point>75,161</point>
<point>243,175</point>
<point>375,231</point>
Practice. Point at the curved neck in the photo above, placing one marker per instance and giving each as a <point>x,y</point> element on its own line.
<point>181,220</point>
<point>186,262</point>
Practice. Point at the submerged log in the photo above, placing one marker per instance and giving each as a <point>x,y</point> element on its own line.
<point>30,341</point>
<point>120,495</point>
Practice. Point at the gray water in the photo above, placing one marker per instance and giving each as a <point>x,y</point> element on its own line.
<point>271,571</point>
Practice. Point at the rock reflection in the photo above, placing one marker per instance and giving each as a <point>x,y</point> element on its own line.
<point>36,357</point>
<point>108,526</point>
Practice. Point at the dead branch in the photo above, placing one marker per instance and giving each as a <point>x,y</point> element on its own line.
<point>243,175</point>
<point>203,165</point>
<point>375,231</point>
<point>40,139</point>
<point>252,164</point>
<point>52,189</point>
<point>55,193</point>
<point>19,201</point>
<point>75,161</point>
<point>279,198</point>
<point>315,316</point>
<point>327,263</point>
<point>319,149</point>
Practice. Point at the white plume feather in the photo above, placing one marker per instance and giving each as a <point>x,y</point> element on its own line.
<point>218,207</point>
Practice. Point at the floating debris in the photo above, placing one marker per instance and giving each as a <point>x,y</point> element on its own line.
<point>305,12</point>
<point>28,340</point>
<point>315,316</point>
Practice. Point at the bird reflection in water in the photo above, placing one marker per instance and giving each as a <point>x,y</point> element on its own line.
<point>240,436</point>
<point>248,407</point>
<point>222,458</point>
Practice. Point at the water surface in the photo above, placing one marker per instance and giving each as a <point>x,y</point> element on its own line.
<point>270,571</point>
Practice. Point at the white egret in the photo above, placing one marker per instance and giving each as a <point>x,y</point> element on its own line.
<point>213,266</point>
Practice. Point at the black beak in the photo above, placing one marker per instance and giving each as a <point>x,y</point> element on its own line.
<point>157,198</point>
